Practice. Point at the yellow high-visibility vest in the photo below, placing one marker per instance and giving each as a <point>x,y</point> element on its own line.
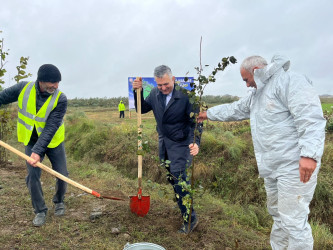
<point>121,107</point>
<point>28,118</point>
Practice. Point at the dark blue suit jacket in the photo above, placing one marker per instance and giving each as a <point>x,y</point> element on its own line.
<point>175,127</point>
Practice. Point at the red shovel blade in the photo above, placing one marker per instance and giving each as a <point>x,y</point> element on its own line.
<point>140,204</point>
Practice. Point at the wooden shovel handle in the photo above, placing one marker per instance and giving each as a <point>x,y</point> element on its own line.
<point>138,102</point>
<point>49,170</point>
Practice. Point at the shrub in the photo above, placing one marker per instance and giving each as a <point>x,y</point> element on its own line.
<point>329,126</point>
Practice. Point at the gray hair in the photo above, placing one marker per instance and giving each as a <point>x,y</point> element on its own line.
<point>253,61</point>
<point>161,70</point>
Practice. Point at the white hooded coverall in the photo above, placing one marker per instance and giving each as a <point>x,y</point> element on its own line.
<point>286,123</point>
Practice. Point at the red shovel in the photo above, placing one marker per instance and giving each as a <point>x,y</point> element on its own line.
<point>139,204</point>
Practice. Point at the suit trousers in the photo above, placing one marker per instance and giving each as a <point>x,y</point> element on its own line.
<point>174,180</point>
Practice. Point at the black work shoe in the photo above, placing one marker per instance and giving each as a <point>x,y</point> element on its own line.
<point>184,227</point>
<point>59,209</point>
<point>39,219</point>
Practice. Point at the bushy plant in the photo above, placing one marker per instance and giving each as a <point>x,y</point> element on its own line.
<point>329,118</point>
<point>329,126</point>
<point>6,126</point>
<point>323,238</point>
<point>95,142</point>
<point>322,203</point>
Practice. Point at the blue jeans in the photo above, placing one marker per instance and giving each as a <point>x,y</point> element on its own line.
<point>57,158</point>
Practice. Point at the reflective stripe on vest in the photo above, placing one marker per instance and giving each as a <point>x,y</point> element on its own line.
<point>28,119</point>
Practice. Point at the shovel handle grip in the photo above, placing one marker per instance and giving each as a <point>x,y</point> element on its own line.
<point>49,170</point>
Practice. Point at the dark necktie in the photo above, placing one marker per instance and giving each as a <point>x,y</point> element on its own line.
<point>164,101</point>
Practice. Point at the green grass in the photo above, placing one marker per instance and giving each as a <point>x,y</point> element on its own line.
<point>101,152</point>
<point>328,107</point>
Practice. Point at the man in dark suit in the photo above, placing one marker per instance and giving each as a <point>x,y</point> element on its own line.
<point>175,128</point>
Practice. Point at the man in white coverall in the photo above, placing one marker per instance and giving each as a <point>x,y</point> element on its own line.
<point>288,133</point>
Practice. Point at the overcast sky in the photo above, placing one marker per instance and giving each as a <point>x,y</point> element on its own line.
<point>98,44</point>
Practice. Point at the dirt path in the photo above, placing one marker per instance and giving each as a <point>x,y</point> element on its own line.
<point>91,223</point>
<point>111,217</point>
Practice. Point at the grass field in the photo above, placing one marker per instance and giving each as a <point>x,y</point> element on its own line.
<point>328,107</point>
<point>101,150</point>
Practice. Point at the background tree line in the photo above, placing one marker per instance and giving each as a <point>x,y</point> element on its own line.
<point>97,102</point>
<point>114,101</point>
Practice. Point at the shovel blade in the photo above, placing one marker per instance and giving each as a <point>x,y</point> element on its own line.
<point>140,206</point>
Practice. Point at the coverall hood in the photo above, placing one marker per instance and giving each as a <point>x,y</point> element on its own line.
<point>261,76</point>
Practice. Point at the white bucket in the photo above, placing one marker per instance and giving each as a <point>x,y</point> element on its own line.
<point>143,246</point>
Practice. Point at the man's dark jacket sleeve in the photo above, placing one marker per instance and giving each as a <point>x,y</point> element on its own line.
<point>145,106</point>
<point>11,94</point>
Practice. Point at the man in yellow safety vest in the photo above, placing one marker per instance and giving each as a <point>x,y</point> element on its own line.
<point>40,127</point>
<point>121,109</point>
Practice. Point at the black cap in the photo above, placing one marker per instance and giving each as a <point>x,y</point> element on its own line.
<point>48,73</point>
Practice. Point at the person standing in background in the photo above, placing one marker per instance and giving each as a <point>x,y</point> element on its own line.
<point>121,109</point>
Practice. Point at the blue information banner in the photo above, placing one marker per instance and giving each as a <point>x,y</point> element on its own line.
<point>148,83</point>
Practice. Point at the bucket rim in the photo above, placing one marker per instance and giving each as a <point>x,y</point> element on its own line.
<point>146,244</point>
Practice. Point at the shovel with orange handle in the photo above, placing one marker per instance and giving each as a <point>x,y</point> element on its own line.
<point>58,175</point>
<point>139,204</point>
